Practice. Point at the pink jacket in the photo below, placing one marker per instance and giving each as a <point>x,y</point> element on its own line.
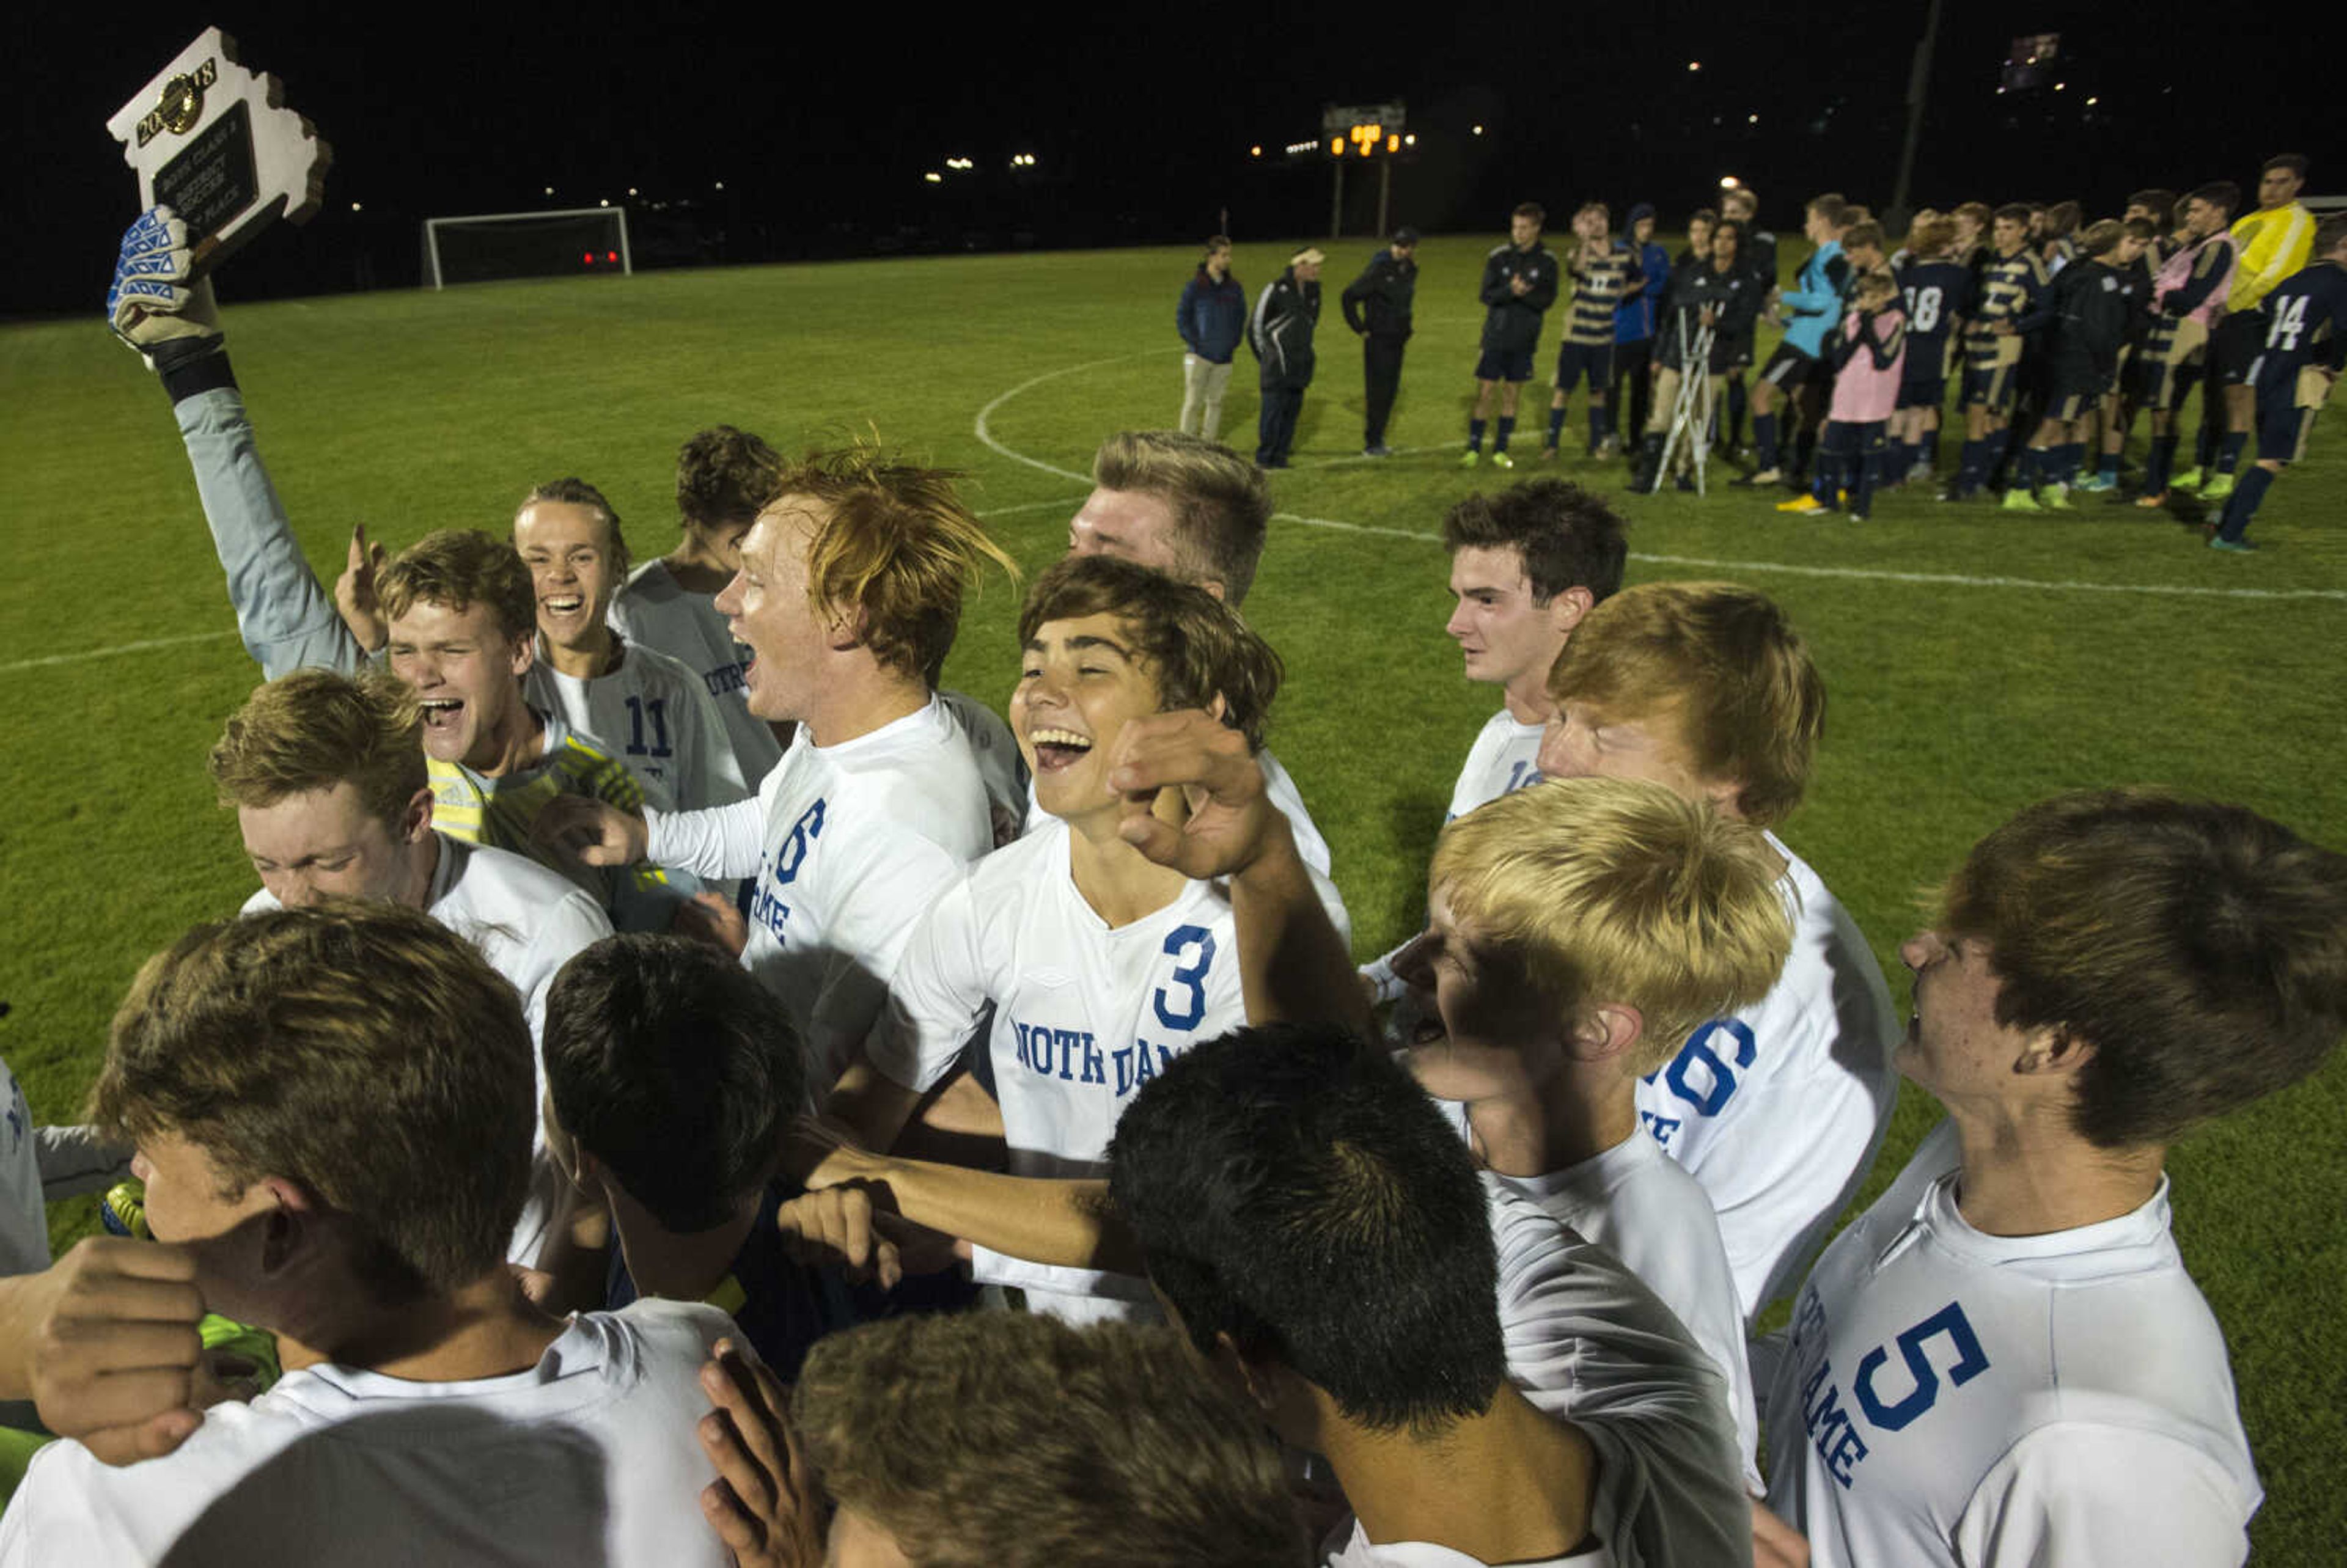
<point>1864,391</point>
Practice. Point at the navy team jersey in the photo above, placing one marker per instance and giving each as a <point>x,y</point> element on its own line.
<point>2305,324</point>
<point>1938,293</point>
<point>2010,288</point>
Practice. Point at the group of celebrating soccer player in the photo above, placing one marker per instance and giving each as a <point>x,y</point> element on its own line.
<point>2056,333</point>
<point>690,1089</point>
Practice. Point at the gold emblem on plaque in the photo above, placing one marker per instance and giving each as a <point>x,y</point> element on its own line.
<point>180,105</point>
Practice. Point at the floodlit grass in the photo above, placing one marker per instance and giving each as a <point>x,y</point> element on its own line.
<point>2108,648</point>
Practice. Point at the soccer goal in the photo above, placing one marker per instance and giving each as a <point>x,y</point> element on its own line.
<point>485,246</point>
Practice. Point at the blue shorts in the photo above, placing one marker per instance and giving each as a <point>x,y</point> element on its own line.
<point>1924,392</point>
<point>2282,424</point>
<point>1575,360</point>
<point>1505,364</point>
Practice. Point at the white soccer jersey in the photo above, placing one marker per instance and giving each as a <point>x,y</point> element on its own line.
<point>1637,1203</point>
<point>1588,1343</point>
<point>1951,1397</point>
<point>24,1217</point>
<point>590,1456</point>
<point>1777,1110</point>
<point>1278,787</point>
<point>850,845</point>
<point>652,610</point>
<point>1504,758</point>
<point>654,716</point>
<point>1083,1016</point>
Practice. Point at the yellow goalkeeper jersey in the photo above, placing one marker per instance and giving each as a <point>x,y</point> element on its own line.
<point>2273,245</point>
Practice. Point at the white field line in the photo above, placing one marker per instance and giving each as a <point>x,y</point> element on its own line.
<point>149,646</point>
<point>1870,574</point>
<point>1786,568</point>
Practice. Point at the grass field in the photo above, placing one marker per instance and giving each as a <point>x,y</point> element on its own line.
<point>1976,660</point>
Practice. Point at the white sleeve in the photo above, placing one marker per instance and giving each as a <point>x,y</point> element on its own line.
<point>287,619</point>
<point>1589,1344</point>
<point>939,993</point>
<point>2075,1495</point>
<point>721,842</point>
<point>897,876</point>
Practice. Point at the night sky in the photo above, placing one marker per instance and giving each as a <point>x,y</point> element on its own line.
<point>821,123</point>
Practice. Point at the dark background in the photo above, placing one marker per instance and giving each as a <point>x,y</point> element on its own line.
<point>820,124</point>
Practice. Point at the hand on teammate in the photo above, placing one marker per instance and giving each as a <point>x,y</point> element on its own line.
<point>355,596</point>
<point>155,304</point>
<point>591,832</point>
<point>1231,823</point>
<point>105,1341</point>
<point>764,1503</point>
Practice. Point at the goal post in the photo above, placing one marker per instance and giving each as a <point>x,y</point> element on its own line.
<point>482,246</point>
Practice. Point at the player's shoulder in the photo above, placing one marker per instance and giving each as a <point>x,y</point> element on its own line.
<point>650,583</point>
<point>501,887</point>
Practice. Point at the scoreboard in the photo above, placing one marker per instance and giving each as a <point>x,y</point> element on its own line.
<point>1366,130</point>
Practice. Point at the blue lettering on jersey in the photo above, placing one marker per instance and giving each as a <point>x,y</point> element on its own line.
<point>1192,977</point>
<point>1831,1430</point>
<point>781,868</point>
<point>1661,1127</point>
<point>803,833</point>
<point>1075,1056</point>
<point>1970,1361</point>
<point>725,678</point>
<point>1700,1076</point>
<point>1520,775</point>
<point>1134,1067</point>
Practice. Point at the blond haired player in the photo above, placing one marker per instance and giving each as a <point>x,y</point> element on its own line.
<point>1576,934</point>
<point>849,592</point>
<point>1776,1108</point>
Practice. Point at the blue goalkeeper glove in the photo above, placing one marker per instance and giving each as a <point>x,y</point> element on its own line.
<point>154,305</point>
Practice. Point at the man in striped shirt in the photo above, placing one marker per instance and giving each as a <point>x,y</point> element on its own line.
<point>1601,268</point>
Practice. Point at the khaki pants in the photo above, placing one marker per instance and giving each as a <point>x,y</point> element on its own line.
<point>1203,382</point>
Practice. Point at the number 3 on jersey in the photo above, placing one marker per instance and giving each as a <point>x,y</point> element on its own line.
<point>1195,946</point>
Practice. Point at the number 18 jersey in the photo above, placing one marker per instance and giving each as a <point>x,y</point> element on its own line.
<point>1083,1015</point>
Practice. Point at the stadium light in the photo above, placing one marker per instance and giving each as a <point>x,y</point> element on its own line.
<point>355,206</point>
<point>721,185</point>
<point>1694,65</point>
<point>605,203</point>
<point>632,190</point>
<point>934,177</point>
<point>1255,151</point>
<point>2091,102</point>
<point>1752,119</point>
<point>1478,131</point>
<point>1410,140</point>
<point>1729,182</point>
<point>549,190</point>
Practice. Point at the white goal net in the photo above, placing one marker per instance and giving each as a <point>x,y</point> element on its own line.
<point>485,246</point>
